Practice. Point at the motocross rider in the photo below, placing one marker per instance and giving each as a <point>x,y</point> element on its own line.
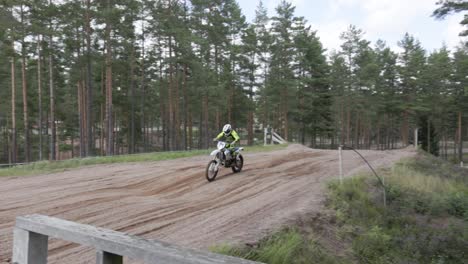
<point>230,137</point>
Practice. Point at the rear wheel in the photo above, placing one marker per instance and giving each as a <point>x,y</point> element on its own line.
<point>239,163</point>
<point>211,171</point>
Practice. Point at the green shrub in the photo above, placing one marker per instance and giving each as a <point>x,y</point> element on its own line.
<point>372,245</point>
<point>284,247</point>
<point>424,221</point>
<point>458,204</point>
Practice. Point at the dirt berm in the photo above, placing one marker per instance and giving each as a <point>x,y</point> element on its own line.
<point>173,202</point>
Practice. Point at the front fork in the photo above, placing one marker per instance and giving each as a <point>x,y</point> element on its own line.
<point>218,161</point>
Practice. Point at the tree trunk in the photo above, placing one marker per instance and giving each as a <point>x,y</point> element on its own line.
<point>250,129</point>
<point>177,112</point>
<point>190,132</point>
<point>164,126</point>
<point>205,121</point>
<point>39,94</point>
<point>109,110</point>
<point>170,100</point>
<point>405,128</point>
<point>229,104</point>
<point>131,148</point>
<point>53,136</point>
<point>378,136</point>
<point>57,144</point>
<point>72,145</point>
<point>80,118</point>
<point>342,125</point>
<point>218,119</point>
<point>103,111</point>
<point>13,111</point>
<point>185,106</point>
<point>428,135</point>
<point>27,145</point>
<point>356,132</point>
<point>460,138</point>
<point>142,88</point>
<point>348,125</point>
<point>285,114</point>
<point>27,153</point>
<point>89,88</point>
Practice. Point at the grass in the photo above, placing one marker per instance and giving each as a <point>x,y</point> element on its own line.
<point>425,220</point>
<point>288,246</point>
<point>56,166</point>
<point>454,158</point>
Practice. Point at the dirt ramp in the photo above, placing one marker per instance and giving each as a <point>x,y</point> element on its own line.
<point>172,201</point>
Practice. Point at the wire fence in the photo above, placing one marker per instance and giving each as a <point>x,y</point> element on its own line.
<point>381,180</point>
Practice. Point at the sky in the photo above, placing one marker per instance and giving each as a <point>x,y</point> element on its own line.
<point>388,20</point>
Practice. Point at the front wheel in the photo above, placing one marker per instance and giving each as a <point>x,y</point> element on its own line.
<point>211,170</point>
<point>239,164</point>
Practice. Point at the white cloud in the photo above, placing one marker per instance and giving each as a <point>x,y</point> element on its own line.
<point>380,19</point>
<point>394,15</point>
<point>390,19</point>
<point>329,33</point>
<point>453,30</point>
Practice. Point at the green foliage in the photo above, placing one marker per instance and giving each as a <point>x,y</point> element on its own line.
<point>448,7</point>
<point>428,136</point>
<point>425,217</point>
<point>284,247</point>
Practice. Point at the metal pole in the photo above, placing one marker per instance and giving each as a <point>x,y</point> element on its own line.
<point>340,155</point>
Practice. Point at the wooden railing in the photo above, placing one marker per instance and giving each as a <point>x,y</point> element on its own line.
<point>31,242</point>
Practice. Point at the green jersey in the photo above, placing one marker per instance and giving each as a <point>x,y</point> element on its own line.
<point>231,138</point>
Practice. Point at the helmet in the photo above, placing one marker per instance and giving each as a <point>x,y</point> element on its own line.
<point>227,129</point>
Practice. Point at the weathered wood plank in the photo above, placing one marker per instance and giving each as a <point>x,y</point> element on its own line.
<point>150,251</point>
<point>29,247</point>
<point>108,258</point>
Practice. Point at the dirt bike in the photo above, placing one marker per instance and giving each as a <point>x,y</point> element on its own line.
<point>224,157</point>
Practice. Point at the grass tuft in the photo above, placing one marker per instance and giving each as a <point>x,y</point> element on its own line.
<point>288,246</point>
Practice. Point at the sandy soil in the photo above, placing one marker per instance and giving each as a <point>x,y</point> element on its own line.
<point>173,202</point>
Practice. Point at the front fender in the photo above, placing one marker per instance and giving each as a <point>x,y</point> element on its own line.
<point>238,150</point>
<point>214,152</point>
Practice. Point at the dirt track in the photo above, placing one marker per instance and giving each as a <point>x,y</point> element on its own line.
<point>172,201</point>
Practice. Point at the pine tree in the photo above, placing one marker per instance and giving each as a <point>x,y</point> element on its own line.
<point>448,7</point>
<point>459,95</point>
<point>314,99</point>
<point>387,96</point>
<point>281,80</point>
<point>412,61</point>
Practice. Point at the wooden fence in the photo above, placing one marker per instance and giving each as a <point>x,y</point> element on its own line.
<point>31,242</point>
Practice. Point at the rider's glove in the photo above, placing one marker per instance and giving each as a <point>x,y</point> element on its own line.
<point>215,139</point>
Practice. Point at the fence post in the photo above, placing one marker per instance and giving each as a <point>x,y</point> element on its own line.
<point>108,258</point>
<point>29,247</point>
<point>340,155</point>
<point>416,138</point>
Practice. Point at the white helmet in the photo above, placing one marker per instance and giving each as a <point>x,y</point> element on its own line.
<point>227,129</point>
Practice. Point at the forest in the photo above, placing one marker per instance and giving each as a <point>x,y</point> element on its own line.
<point>85,78</point>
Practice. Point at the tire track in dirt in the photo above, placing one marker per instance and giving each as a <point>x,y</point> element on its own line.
<point>173,202</point>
